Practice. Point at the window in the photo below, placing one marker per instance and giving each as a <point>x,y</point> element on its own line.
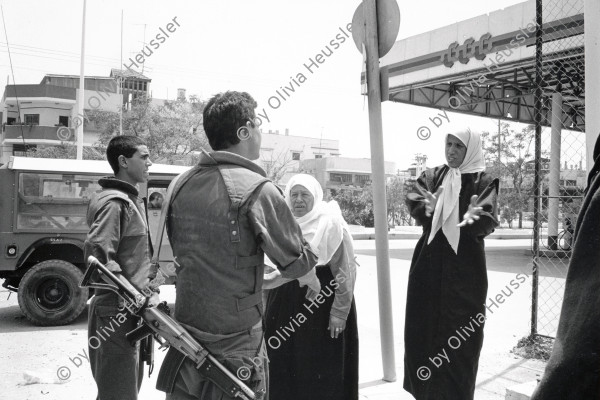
<point>318,155</point>
<point>54,201</point>
<point>295,156</point>
<point>32,119</point>
<point>344,178</point>
<point>63,121</point>
<point>22,149</point>
<point>362,179</point>
<point>571,182</point>
<point>157,192</point>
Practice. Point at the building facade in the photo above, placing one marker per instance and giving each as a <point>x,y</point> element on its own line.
<point>133,85</point>
<point>281,155</point>
<point>342,173</point>
<point>46,114</point>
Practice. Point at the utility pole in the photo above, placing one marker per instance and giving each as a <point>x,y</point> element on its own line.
<point>120,80</point>
<point>81,98</point>
<point>379,196</point>
<point>375,27</point>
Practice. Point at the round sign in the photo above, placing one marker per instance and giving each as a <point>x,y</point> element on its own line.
<point>388,25</point>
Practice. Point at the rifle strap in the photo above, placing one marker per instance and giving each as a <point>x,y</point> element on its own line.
<point>169,370</point>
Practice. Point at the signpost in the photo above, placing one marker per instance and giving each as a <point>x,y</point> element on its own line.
<point>375,27</point>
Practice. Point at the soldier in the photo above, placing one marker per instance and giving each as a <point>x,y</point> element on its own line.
<point>119,238</point>
<point>224,214</point>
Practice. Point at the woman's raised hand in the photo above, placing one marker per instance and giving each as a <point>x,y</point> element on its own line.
<point>472,213</point>
<point>431,200</point>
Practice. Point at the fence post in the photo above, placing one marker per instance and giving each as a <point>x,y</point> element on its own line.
<point>537,165</point>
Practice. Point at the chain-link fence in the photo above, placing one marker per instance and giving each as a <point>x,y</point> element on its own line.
<point>560,153</point>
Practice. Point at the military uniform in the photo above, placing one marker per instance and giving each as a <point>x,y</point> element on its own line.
<point>224,215</point>
<point>119,238</point>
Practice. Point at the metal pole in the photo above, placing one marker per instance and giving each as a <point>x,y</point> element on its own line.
<point>81,97</point>
<point>499,142</point>
<point>554,176</point>
<point>386,325</point>
<point>537,165</point>
<point>592,76</point>
<point>120,82</point>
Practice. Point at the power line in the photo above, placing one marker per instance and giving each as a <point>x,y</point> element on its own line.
<point>14,83</point>
<point>52,51</point>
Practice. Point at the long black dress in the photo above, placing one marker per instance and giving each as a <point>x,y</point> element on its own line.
<point>305,363</point>
<point>445,307</point>
<point>573,371</point>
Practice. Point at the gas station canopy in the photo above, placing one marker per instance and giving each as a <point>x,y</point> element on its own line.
<point>485,66</point>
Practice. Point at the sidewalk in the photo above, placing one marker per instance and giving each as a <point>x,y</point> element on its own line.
<point>498,368</point>
<point>43,350</point>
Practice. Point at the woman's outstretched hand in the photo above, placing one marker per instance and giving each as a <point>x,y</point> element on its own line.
<point>336,326</point>
<point>431,200</point>
<point>472,213</point>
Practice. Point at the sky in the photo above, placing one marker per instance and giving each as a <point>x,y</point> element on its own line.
<point>258,46</point>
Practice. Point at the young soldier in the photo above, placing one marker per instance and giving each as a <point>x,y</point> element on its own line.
<point>119,238</point>
<point>223,216</point>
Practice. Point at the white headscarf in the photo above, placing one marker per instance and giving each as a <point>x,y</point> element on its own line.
<point>446,215</point>
<point>323,226</point>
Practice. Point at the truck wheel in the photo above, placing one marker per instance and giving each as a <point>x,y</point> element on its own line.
<point>49,293</point>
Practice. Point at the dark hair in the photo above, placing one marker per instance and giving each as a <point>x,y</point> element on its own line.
<point>122,145</point>
<point>155,195</point>
<point>224,114</point>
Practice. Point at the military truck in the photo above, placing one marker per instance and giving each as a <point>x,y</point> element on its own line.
<point>43,227</point>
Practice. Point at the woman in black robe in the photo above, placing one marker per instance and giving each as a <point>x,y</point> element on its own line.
<point>447,284</point>
<point>312,336</point>
<point>573,371</point>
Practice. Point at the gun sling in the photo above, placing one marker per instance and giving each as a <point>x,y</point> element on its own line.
<point>169,370</point>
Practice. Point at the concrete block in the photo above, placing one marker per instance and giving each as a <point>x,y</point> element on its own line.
<point>522,391</point>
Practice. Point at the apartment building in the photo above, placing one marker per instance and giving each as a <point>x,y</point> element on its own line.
<point>342,173</point>
<point>281,154</point>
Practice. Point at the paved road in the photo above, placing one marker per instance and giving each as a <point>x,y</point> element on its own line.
<point>42,351</point>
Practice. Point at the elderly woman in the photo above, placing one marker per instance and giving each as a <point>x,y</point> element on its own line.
<point>312,337</point>
<point>447,285</point>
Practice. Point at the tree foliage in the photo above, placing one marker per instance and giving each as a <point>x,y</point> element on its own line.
<point>509,155</point>
<point>173,131</point>
<point>276,165</point>
<point>358,208</point>
<point>66,150</point>
<point>398,213</point>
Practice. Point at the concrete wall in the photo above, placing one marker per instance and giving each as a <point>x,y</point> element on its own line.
<point>279,149</point>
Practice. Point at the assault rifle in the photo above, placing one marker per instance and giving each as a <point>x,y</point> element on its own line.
<point>159,323</point>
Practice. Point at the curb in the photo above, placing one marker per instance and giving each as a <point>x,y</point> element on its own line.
<point>409,236</point>
<point>522,391</point>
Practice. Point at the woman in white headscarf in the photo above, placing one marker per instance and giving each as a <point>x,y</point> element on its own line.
<point>312,337</point>
<point>447,285</point>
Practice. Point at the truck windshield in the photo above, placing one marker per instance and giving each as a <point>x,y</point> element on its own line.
<point>54,201</point>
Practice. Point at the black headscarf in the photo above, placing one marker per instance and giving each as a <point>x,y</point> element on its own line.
<point>596,168</point>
